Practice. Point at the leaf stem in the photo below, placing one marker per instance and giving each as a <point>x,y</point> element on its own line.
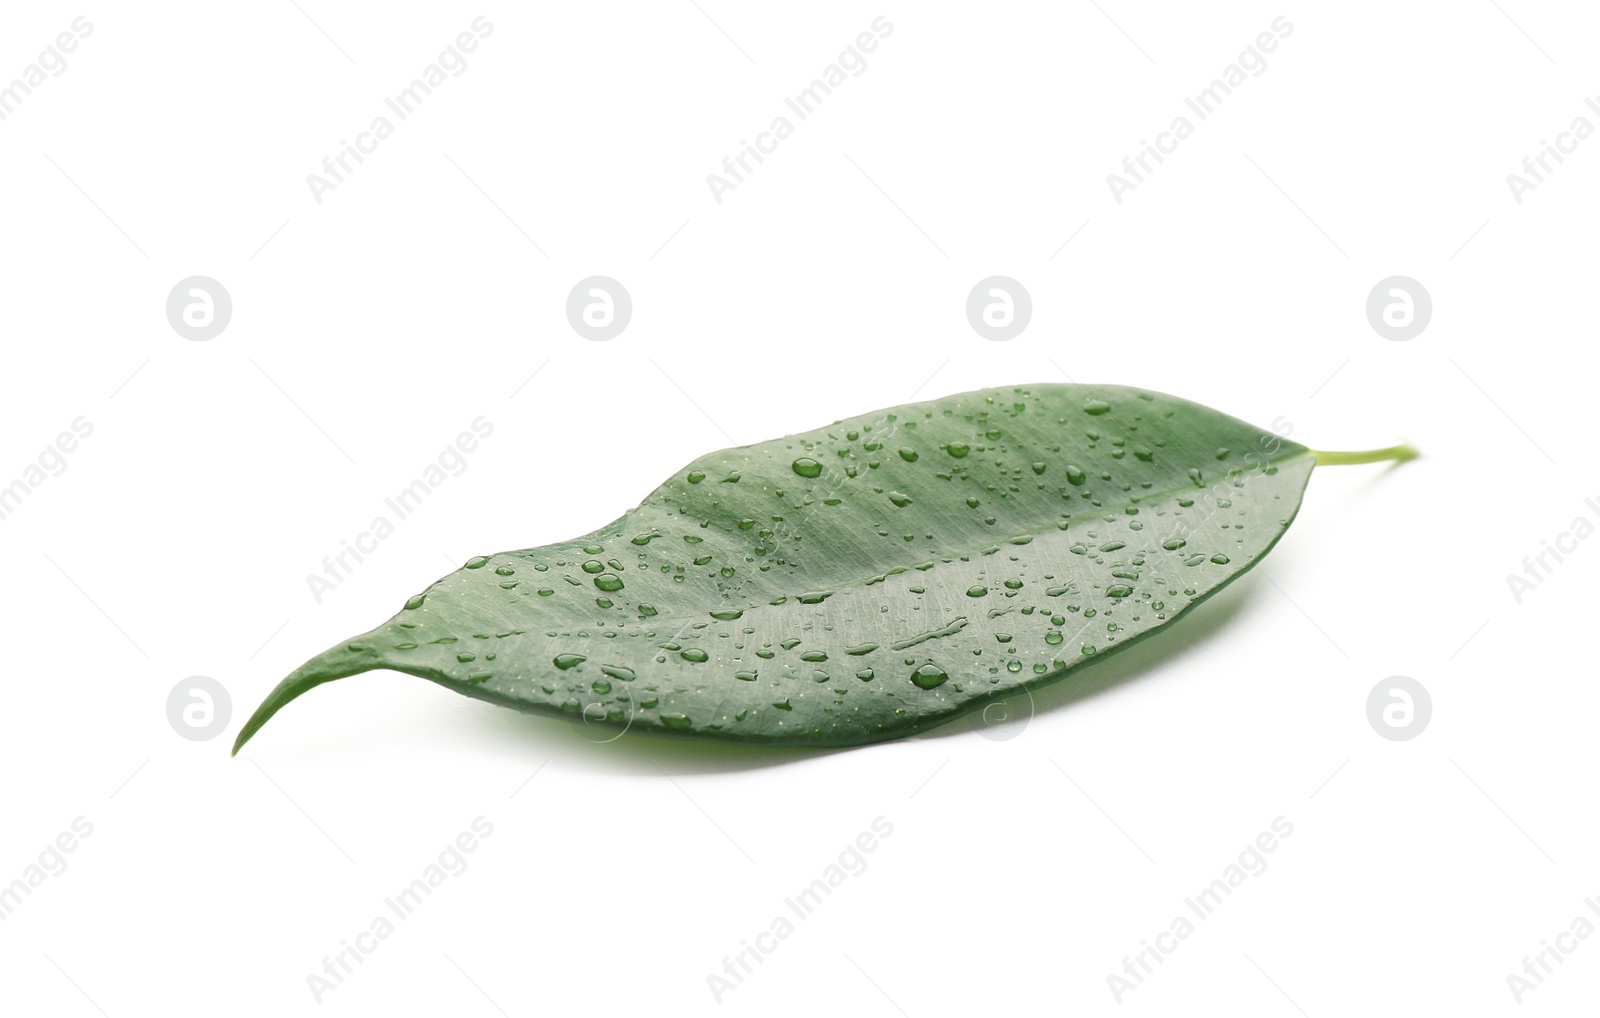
<point>1398,453</point>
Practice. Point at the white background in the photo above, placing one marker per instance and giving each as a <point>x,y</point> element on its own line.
<point>370,328</point>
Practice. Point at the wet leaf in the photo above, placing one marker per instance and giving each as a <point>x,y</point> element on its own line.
<point>863,581</point>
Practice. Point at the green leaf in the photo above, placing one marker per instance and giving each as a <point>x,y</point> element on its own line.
<point>864,581</point>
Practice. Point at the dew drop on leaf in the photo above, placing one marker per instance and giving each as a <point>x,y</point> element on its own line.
<point>929,676</point>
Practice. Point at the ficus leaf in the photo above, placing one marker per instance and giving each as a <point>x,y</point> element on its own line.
<point>863,581</point>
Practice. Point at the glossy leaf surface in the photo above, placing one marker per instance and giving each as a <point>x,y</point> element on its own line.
<point>863,581</point>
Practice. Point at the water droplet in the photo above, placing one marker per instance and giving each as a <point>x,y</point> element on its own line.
<point>1096,407</point>
<point>814,656</point>
<point>899,499</point>
<point>601,687</point>
<point>956,449</point>
<point>1220,559</point>
<point>696,476</point>
<point>1075,476</point>
<point>726,616</point>
<point>694,654</point>
<point>647,609</point>
<point>476,562</point>
<point>608,582</point>
<point>1119,590</point>
<point>805,466</point>
<point>1038,467</point>
<point>1173,544</point>
<point>620,673</point>
<point>415,601</point>
<point>565,661</point>
<point>865,648</point>
<point>676,720</point>
<point>928,677</point>
<point>977,591</point>
<point>745,676</point>
<point>864,674</point>
<point>594,566</point>
<point>909,455</point>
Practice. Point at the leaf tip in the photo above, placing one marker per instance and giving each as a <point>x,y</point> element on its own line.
<point>332,664</point>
